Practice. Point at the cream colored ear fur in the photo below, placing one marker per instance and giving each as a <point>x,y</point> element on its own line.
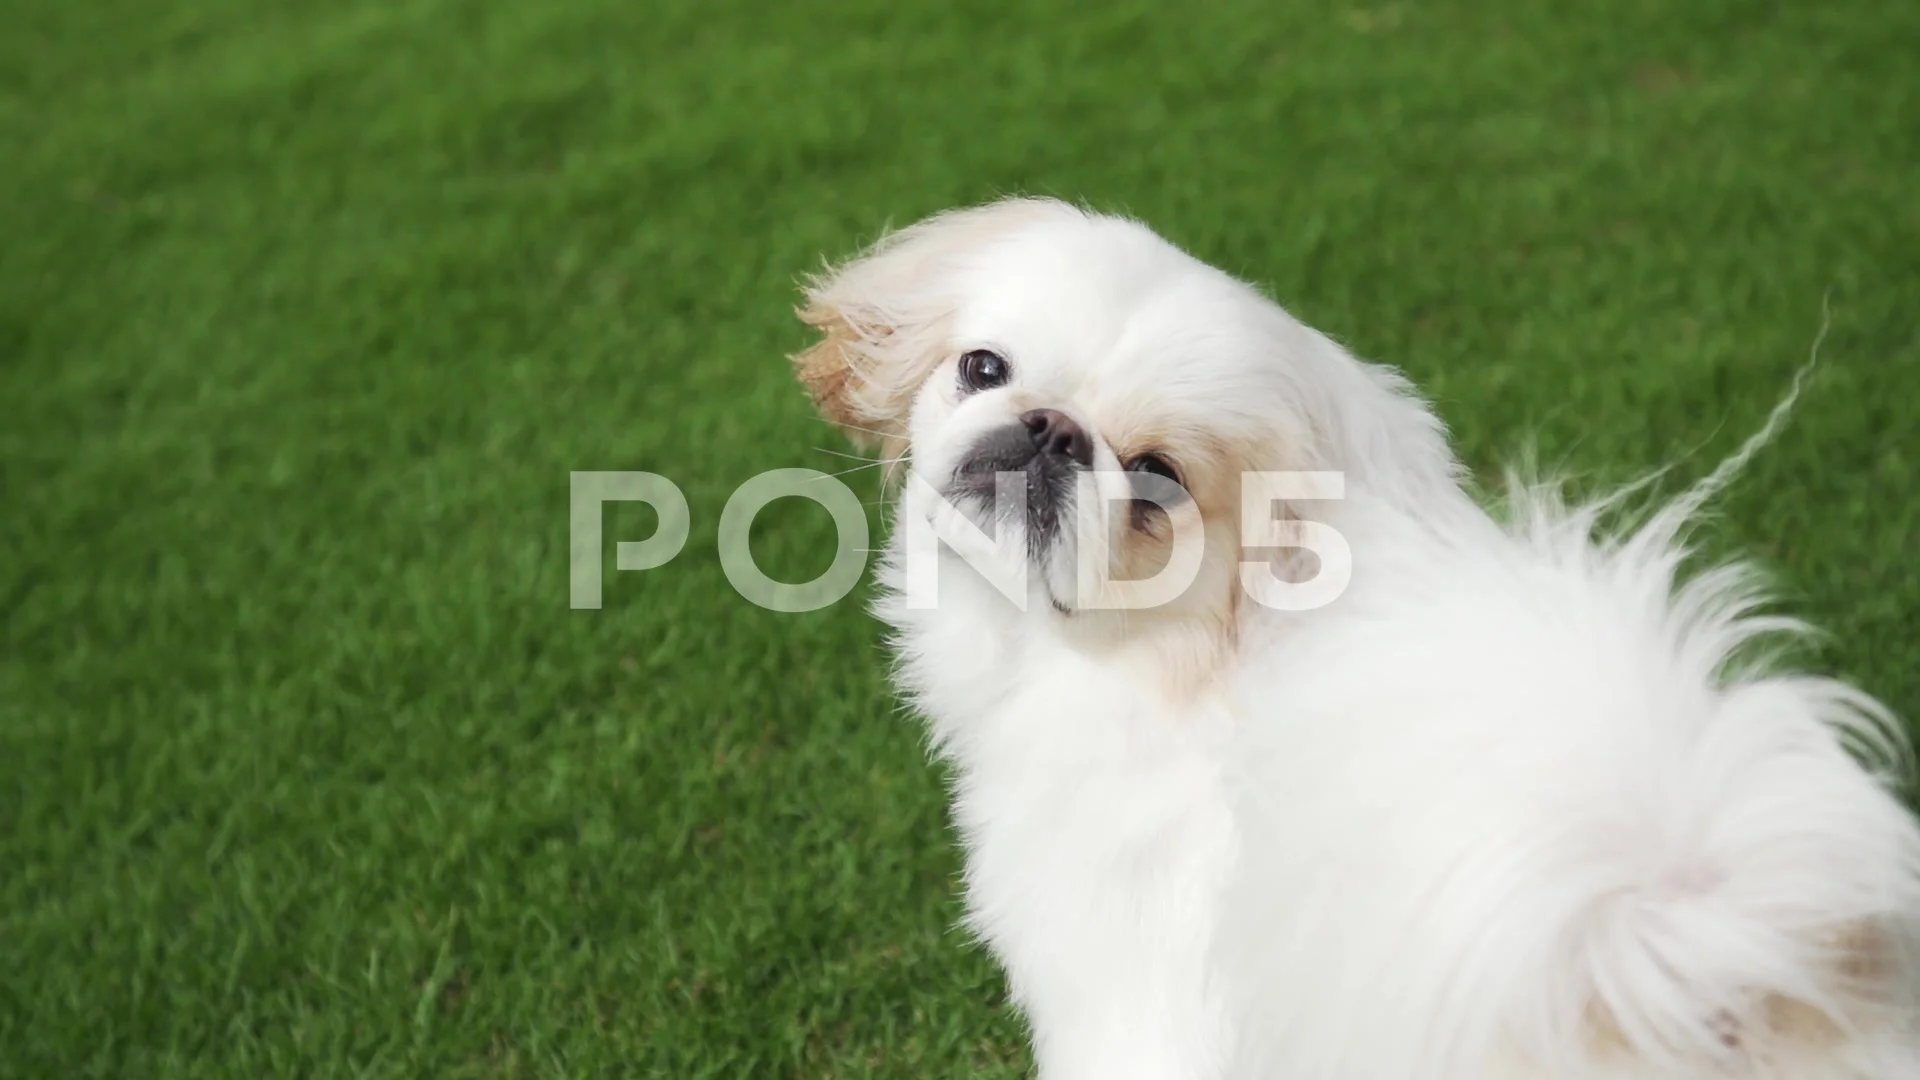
<point>885,316</point>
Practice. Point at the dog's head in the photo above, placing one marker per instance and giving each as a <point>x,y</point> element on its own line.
<point>1084,354</point>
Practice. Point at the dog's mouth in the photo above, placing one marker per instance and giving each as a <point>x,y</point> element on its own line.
<point>1048,480</point>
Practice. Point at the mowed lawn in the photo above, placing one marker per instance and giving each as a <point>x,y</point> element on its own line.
<point>308,310</point>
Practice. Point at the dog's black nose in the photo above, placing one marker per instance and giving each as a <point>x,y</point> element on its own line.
<point>1054,432</point>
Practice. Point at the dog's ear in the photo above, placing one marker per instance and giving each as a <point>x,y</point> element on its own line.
<point>885,317</point>
<point>844,370</point>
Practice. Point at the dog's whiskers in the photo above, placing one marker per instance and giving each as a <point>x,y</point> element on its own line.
<point>888,464</point>
<point>856,468</point>
<point>854,457</point>
<point>854,427</point>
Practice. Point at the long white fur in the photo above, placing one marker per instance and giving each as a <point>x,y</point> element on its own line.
<point>1525,804</point>
<point>1571,821</point>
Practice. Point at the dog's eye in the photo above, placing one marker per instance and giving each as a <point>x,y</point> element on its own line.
<point>1155,464</point>
<point>983,369</point>
<point>1151,498</point>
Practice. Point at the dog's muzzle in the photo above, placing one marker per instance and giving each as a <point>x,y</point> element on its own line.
<point>1050,448</point>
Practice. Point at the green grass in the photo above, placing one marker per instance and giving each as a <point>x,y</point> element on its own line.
<point>308,310</point>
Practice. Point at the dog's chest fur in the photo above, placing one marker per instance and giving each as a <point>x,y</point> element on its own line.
<point>1090,803</point>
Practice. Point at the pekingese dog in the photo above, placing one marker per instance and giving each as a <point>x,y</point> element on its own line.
<point>1382,788</point>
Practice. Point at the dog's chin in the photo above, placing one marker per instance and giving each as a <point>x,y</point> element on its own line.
<point>1057,579</point>
<point>1047,539</point>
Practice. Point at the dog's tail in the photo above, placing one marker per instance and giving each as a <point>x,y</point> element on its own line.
<point>1546,807</point>
<point>1763,921</point>
<point>1760,922</point>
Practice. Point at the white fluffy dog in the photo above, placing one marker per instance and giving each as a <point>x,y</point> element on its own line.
<point>1518,804</point>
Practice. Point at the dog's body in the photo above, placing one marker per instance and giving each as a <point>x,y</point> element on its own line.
<point>1499,812</point>
<point>1557,832</point>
